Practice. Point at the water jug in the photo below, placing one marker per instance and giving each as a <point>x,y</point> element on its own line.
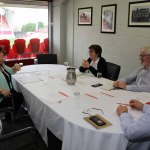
<point>71,76</point>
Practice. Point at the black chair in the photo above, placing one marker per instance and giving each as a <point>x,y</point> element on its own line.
<point>136,143</point>
<point>23,112</point>
<point>20,135</point>
<point>113,71</point>
<point>9,110</point>
<point>47,59</point>
<point>23,139</point>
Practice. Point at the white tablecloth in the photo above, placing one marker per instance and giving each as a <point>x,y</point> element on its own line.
<point>63,116</point>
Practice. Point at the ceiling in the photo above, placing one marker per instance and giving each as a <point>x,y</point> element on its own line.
<point>25,2</point>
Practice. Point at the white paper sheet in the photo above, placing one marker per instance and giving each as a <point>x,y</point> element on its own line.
<point>29,78</point>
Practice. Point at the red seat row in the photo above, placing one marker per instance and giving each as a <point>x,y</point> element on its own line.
<point>19,49</point>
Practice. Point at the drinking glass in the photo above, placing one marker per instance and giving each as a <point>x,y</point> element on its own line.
<point>99,75</point>
<point>66,64</point>
<point>35,61</point>
<point>21,65</point>
<point>46,76</point>
<point>76,100</point>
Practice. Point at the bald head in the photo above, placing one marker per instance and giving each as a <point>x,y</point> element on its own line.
<point>145,50</point>
<point>145,56</point>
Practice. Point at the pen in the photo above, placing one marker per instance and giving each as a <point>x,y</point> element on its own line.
<point>91,95</point>
<point>123,104</point>
<point>63,94</point>
<point>107,94</point>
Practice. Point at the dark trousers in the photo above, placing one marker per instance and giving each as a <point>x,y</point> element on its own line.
<point>17,100</point>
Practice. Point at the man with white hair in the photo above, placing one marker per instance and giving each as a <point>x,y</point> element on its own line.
<point>139,80</point>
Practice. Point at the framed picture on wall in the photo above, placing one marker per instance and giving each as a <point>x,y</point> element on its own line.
<point>85,16</point>
<point>108,18</point>
<point>139,14</point>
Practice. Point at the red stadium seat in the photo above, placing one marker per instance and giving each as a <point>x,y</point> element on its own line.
<point>46,44</point>
<point>34,46</point>
<point>5,45</point>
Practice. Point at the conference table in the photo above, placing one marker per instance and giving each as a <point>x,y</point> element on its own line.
<point>54,105</point>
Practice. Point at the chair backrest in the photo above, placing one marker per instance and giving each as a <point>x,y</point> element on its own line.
<point>20,45</point>
<point>26,138</point>
<point>47,59</point>
<point>113,71</point>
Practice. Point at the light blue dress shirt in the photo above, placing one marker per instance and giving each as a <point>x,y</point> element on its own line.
<point>134,130</point>
<point>138,81</point>
<point>3,81</point>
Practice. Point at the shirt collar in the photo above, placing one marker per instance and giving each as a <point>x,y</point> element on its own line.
<point>97,60</point>
<point>145,68</point>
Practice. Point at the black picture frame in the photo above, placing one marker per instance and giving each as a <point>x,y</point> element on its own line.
<point>139,14</point>
<point>108,18</point>
<point>85,16</point>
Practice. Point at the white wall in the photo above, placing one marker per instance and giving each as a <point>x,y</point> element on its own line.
<point>59,30</point>
<point>121,48</point>
<point>70,32</point>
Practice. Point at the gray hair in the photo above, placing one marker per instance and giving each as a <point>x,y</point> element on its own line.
<point>146,49</point>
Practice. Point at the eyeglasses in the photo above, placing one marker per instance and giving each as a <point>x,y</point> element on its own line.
<point>92,111</point>
<point>144,55</point>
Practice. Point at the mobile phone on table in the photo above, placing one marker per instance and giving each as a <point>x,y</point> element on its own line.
<point>97,85</point>
<point>97,121</point>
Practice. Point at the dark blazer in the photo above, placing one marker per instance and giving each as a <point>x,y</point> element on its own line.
<point>101,66</point>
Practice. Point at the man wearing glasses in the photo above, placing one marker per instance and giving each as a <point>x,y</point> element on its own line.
<point>139,80</point>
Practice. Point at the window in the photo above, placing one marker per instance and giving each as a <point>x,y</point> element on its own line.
<point>30,24</point>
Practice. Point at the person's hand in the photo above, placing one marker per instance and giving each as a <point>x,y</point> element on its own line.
<point>121,109</point>
<point>16,67</point>
<point>136,104</point>
<point>85,64</point>
<point>5,92</point>
<point>119,84</point>
<point>115,84</point>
